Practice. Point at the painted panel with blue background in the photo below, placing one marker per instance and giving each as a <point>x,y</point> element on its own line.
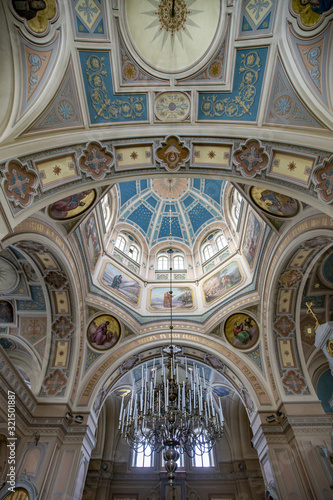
<point>89,19</point>
<point>104,106</point>
<point>242,103</point>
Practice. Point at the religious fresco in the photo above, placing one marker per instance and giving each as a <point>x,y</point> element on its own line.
<point>241,331</point>
<point>181,298</point>
<point>272,203</point>
<point>37,13</point>
<point>311,11</point>
<point>251,240</point>
<point>72,206</point>
<point>121,283</point>
<point>221,282</point>
<point>29,8</point>
<point>92,240</point>
<point>103,332</point>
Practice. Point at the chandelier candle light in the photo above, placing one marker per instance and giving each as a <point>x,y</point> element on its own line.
<point>172,408</point>
<point>168,413</point>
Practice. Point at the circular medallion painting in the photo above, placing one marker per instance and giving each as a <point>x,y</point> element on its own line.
<point>72,205</point>
<point>272,203</point>
<point>241,331</point>
<point>103,332</point>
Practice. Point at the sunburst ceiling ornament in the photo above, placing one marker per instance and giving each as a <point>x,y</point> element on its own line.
<point>173,18</point>
<point>172,35</point>
<point>170,188</point>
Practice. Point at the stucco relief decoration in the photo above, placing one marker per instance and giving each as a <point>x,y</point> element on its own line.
<point>172,154</point>
<point>55,280</point>
<point>284,325</point>
<point>213,106</point>
<point>96,160</point>
<point>55,383</point>
<point>289,278</point>
<point>241,331</point>
<point>323,178</point>
<point>62,327</point>
<point>132,107</point>
<point>175,41</point>
<point>277,204</point>
<point>19,184</point>
<point>172,106</point>
<point>251,158</point>
<point>37,14</point>
<point>293,382</point>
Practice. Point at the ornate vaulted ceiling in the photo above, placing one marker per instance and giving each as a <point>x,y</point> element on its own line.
<point>193,203</point>
<point>114,99</point>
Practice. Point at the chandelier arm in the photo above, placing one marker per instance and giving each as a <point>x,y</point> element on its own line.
<point>170,414</point>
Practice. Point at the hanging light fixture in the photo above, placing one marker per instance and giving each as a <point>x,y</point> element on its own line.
<point>172,408</point>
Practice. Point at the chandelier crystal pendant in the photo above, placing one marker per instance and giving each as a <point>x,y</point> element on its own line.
<point>171,408</point>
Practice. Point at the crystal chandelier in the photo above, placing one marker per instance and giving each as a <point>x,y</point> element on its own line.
<point>173,408</point>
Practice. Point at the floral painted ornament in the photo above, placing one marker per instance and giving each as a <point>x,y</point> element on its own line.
<point>323,178</point>
<point>251,158</point>
<point>55,382</point>
<point>20,184</point>
<point>293,382</point>
<point>95,160</point>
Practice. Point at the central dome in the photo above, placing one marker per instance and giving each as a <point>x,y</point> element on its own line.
<point>170,188</point>
<point>192,204</point>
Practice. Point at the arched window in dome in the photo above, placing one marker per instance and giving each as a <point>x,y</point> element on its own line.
<point>170,258</point>
<point>162,262</point>
<point>133,252</point>
<point>208,251</point>
<point>120,243</point>
<point>128,245</point>
<point>216,242</point>
<point>221,241</point>
<point>178,262</point>
<point>236,203</point>
<point>107,212</point>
